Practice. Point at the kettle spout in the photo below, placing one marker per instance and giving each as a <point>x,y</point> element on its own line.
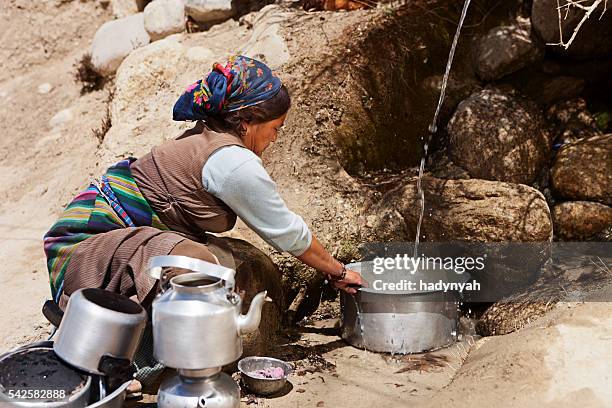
<point>250,322</point>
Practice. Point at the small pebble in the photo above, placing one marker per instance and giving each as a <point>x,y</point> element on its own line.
<point>45,88</point>
<point>60,118</point>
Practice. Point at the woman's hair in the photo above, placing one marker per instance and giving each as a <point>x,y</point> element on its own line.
<point>231,122</point>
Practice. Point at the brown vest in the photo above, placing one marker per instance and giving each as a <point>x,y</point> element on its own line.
<point>170,179</point>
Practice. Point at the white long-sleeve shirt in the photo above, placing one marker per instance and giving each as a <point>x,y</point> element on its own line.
<point>236,176</point>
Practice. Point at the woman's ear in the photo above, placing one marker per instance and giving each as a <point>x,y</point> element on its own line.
<point>243,128</point>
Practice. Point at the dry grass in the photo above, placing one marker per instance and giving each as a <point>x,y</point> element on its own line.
<point>85,74</point>
<point>106,122</point>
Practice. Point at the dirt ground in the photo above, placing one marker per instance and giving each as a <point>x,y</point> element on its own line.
<point>560,360</point>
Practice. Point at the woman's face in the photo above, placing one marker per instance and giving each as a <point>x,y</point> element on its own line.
<point>259,135</point>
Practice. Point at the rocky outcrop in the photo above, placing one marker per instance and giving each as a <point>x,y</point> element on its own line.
<point>538,365</point>
<point>115,40</point>
<point>583,170</point>
<point>593,39</point>
<point>506,49</point>
<point>577,273</point>
<point>164,17</point>
<point>581,220</point>
<point>208,11</point>
<point>497,135</point>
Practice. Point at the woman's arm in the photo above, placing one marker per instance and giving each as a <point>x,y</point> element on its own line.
<point>317,257</point>
<point>236,176</point>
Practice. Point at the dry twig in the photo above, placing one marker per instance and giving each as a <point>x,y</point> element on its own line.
<point>577,4</point>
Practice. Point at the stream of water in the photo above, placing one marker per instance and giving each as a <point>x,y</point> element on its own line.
<point>433,127</point>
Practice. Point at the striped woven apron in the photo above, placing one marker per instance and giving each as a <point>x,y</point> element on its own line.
<point>114,202</point>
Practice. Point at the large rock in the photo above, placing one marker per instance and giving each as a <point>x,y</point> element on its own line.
<point>562,360</point>
<point>507,49</point>
<point>498,135</point>
<point>593,39</point>
<point>208,11</point>
<point>583,170</point>
<point>115,40</point>
<point>464,210</point>
<point>571,121</point>
<point>558,88</point>
<point>474,211</point>
<point>255,272</point>
<point>164,17</point>
<point>458,88</point>
<point>267,40</point>
<point>580,220</point>
<point>123,8</point>
<point>571,276</point>
<point>158,65</point>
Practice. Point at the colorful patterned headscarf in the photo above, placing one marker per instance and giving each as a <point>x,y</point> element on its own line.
<point>241,83</point>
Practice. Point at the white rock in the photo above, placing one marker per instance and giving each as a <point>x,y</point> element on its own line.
<point>61,117</point>
<point>45,88</point>
<point>123,8</point>
<point>266,42</point>
<point>205,11</point>
<point>200,53</point>
<point>164,17</point>
<point>157,65</point>
<point>115,40</point>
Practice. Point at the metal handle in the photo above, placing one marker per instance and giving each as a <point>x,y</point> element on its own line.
<point>52,312</point>
<point>157,263</point>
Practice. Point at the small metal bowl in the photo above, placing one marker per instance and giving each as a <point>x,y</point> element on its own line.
<point>263,386</point>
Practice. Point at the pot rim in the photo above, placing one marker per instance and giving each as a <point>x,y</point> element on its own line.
<point>84,392</point>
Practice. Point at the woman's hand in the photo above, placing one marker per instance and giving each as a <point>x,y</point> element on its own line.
<point>351,282</point>
<point>317,257</point>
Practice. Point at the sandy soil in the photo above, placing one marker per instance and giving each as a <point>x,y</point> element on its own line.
<point>560,360</point>
<point>40,166</point>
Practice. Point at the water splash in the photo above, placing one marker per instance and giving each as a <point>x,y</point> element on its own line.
<point>433,127</point>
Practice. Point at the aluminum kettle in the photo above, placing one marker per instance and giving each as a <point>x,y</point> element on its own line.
<point>197,322</point>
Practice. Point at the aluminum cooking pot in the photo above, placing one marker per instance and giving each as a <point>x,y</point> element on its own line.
<point>400,321</point>
<point>97,324</point>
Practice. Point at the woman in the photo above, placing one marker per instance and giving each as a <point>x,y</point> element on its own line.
<point>165,202</point>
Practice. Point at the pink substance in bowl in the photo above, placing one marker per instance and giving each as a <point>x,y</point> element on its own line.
<point>270,373</point>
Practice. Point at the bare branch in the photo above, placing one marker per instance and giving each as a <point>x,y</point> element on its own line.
<point>577,4</point>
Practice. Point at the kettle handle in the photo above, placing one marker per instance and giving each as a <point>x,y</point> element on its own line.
<point>157,263</point>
